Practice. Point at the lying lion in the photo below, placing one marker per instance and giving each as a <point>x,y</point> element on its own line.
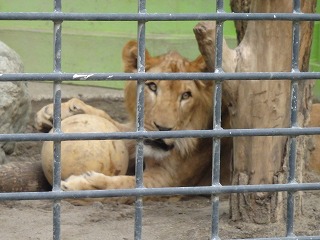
<point>169,105</point>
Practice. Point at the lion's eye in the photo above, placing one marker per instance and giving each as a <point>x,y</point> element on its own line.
<point>152,86</point>
<point>186,95</point>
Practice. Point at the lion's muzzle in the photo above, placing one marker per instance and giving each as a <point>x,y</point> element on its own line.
<point>158,144</point>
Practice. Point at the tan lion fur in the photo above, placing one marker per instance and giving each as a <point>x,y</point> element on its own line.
<point>109,157</point>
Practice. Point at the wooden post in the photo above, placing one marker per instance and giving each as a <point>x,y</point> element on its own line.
<point>266,47</point>
<point>240,6</point>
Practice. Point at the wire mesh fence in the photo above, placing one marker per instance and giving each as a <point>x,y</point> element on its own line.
<point>141,17</point>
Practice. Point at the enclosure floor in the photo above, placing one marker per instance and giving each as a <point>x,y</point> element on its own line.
<point>173,220</point>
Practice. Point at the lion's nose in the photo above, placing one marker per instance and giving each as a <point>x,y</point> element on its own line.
<point>161,128</point>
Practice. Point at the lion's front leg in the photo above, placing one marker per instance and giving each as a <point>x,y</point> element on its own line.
<point>153,178</point>
<point>98,181</point>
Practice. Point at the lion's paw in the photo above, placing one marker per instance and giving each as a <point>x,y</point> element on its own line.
<point>87,181</point>
<point>73,106</point>
<point>44,118</point>
<point>43,121</point>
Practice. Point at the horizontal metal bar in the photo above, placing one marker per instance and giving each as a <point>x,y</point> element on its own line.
<point>158,76</point>
<point>63,16</point>
<point>285,238</point>
<point>206,190</point>
<point>218,133</point>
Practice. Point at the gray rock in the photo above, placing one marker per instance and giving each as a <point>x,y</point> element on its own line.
<point>15,104</point>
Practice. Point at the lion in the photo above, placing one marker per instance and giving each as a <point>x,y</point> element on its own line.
<point>170,105</point>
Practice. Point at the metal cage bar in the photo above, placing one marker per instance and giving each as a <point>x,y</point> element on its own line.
<point>56,16</point>
<point>140,120</point>
<point>56,206</point>
<point>205,190</point>
<point>217,99</point>
<point>216,133</point>
<point>158,76</point>
<point>293,119</point>
<point>19,137</point>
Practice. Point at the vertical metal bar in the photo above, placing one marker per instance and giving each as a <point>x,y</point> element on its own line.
<point>57,125</point>
<point>140,121</point>
<point>293,119</point>
<point>217,124</point>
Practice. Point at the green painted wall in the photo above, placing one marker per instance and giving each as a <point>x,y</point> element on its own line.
<point>96,46</point>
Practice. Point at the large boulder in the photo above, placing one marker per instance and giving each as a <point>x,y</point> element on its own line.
<point>15,104</point>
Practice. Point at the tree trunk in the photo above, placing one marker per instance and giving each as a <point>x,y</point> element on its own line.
<point>266,47</point>
<point>23,177</point>
<point>240,6</point>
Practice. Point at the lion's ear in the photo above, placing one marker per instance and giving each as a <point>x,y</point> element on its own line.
<point>198,65</point>
<point>129,57</point>
<point>205,84</point>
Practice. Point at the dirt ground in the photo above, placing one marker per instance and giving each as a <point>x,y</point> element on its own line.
<point>186,219</point>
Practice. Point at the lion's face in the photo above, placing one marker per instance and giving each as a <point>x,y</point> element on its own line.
<point>170,105</point>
